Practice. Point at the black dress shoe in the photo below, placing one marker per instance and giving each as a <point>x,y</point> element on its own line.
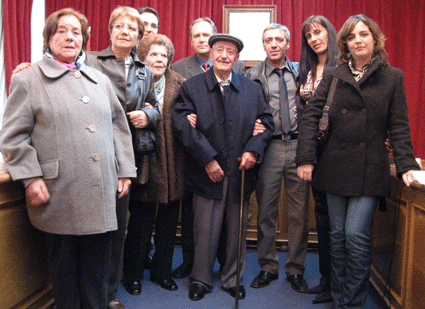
<point>168,284</point>
<point>232,291</point>
<point>115,304</point>
<point>324,297</point>
<point>263,279</point>
<point>317,289</point>
<point>133,287</point>
<point>197,291</point>
<point>298,283</point>
<point>182,271</point>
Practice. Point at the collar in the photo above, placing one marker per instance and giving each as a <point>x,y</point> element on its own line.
<point>201,61</point>
<point>355,73</point>
<point>229,79</point>
<point>108,53</point>
<point>270,67</point>
<point>54,70</point>
<point>212,80</point>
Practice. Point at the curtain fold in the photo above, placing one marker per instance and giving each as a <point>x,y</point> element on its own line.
<point>403,23</point>
<point>17,34</point>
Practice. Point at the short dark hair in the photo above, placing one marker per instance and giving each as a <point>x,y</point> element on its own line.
<point>159,39</point>
<point>51,26</point>
<point>149,10</point>
<point>309,59</point>
<point>379,51</point>
<point>206,19</point>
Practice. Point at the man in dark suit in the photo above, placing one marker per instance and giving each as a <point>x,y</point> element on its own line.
<point>200,30</point>
<point>227,105</point>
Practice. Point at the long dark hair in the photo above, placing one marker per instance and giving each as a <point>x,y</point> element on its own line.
<point>309,59</point>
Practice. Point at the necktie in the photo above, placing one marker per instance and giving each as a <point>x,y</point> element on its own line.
<point>206,66</point>
<point>284,103</point>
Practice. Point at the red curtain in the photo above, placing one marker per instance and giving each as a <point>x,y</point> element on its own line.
<point>17,34</point>
<point>403,23</point>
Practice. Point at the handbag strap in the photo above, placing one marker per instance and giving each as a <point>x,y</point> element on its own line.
<point>141,77</point>
<point>324,121</point>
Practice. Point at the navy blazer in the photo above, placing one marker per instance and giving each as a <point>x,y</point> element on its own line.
<point>222,132</point>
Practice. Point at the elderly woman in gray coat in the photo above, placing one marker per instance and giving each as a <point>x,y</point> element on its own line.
<point>66,137</point>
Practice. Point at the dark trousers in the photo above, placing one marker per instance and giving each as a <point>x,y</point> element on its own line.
<point>187,234</point>
<point>79,268</point>
<point>139,231</point>
<point>117,248</point>
<point>323,235</point>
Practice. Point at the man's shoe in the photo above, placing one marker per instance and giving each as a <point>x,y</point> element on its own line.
<point>168,284</point>
<point>182,271</point>
<point>298,283</point>
<point>263,279</point>
<point>115,304</point>
<point>324,297</point>
<point>232,291</point>
<point>197,291</point>
<point>317,289</point>
<point>133,287</point>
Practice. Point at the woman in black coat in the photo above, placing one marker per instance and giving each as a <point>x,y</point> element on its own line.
<point>318,51</point>
<point>369,103</point>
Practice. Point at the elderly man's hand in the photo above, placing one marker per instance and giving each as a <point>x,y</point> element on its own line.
<point>139,119</point>
<point>305,171</point>
<point>214,171</point>
<point>248,160</point>
<point>123,187</point>
<point>37,193</point>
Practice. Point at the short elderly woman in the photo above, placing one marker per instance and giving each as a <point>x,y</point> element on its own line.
<point>166,178</point>
<point>354,170</point>
<point>66,137</point>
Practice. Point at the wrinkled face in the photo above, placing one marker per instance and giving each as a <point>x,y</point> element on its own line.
<point>275,45</point>
<point>124,34</point>
<point>360,43</point>
<point>317,38</point>
<point>157,60</point>
<point>224,55</point>
<point>151,23</point>
<point>201,32</point>
<point>66,43</point>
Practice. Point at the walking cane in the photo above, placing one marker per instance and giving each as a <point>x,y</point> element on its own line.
<point>238,269</point>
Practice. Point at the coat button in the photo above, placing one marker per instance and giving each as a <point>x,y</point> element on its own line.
<point>344,111</point>
<point>361,145</point>
<point>77,74</point>
<point>364,110</point>
<point>85,99</point>
<point>92,128</point>
<point>96,157</point>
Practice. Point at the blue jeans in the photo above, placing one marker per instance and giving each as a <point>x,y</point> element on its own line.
<point>350,219</point>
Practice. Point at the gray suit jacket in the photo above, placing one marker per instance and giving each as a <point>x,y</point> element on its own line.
<point>189,67</point>
<point>68,127</point>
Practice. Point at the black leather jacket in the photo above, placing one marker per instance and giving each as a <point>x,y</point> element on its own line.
<point>128,92</point>
<point>258,74</point>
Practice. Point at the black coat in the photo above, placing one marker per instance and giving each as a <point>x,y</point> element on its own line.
<point>355,161</point>
<point>221,133</point>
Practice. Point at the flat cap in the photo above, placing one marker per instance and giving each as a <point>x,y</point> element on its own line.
<point>225,37</point>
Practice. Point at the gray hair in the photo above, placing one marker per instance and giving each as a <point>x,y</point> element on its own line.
<point>277,26</point>
<point>206,19</point>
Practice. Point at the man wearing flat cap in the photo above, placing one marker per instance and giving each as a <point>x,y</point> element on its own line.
<point>227,105</point>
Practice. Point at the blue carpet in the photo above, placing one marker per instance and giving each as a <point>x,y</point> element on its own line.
<point>278,294</point>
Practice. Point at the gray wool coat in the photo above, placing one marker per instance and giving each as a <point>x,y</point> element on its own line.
<point>68,127</point>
